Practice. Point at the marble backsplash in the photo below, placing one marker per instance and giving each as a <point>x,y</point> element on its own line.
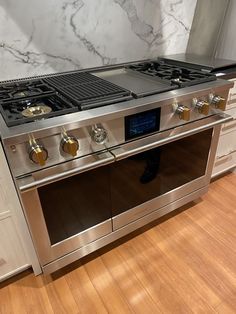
<point>48,36</point>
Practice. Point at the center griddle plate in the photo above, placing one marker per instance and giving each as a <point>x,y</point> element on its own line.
<point>139,84</point>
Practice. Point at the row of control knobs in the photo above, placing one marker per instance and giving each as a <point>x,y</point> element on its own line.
<point>69,145</point>
<point>202,106</point>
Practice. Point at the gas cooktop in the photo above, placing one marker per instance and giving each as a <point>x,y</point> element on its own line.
<point>24,101</point>
<point>22,90</point>
<point>28,101</point>
<point>171,74</point>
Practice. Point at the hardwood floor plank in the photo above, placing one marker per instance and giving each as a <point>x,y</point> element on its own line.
<point>108,290</point>
<point>227,307</point>
<point>152,277</point>
<point>6,306</point>
<point>181,269</point>
<point>61,298</point>
<point>133,290</point>
<point>84,293</point>
<point>199,259</point>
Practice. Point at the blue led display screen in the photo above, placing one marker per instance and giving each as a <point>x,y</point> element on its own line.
<point>142,123</point>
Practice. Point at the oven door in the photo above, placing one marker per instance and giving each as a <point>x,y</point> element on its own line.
<point>154,171</point>
<point>68,206</point>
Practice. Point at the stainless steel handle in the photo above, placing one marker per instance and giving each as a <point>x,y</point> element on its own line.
<point>63,171</point>
<point>132,148</point>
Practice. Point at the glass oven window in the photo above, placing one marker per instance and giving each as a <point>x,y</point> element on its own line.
<point>150,174</point>
<point>73,205</point>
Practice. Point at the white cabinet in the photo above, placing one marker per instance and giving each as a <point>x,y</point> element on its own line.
<point>226,150</point>
<point>12,256</point>
<point>16,248</point>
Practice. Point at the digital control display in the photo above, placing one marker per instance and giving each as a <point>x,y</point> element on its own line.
<point>142,123</point>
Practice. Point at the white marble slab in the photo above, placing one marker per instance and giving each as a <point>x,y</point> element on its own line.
<point>38,37</point>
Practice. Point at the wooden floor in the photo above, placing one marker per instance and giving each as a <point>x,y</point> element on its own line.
<point>183,264</point>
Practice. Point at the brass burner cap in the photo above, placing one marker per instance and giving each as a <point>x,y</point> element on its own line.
<point>36,111</point>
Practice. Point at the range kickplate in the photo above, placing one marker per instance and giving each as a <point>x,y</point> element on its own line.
<point>87,90</point>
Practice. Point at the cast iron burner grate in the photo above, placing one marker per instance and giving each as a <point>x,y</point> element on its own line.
<point>22,90</point>
<point>87,90</point>
<point>172,75</point>
<point>12,112</point>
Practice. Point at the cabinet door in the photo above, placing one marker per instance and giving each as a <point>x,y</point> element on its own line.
<point>224,164</point>
<point>231,103</point>
<point>16,248</point>
<point>227,141</point>
<point>12,256</point>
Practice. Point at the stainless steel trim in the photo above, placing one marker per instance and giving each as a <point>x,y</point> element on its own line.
<point>158,202</point>
<point>62,171</point>
<point>77,254</point>
<point>52,126</point>
<point>37,225</point>
<point>32,207</point>
<point>162,138</point>
<point>181,191</point>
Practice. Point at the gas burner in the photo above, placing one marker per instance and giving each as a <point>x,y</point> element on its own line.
<point>140,66</point>
<point>37,109</point>
<point>172,75</point>
<point>22,90</point>
<point>32,109</point>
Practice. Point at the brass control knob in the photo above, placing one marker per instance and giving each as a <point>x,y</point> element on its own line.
<point>37,153</point>
<point>183,112</point>
<point>69,145</point>
<point>217,101</point>
<point>99,134</point>
<point>203,107</point>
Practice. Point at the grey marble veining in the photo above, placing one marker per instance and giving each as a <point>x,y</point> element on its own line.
<point>48,36</point>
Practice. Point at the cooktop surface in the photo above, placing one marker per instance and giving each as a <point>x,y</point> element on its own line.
<point>23,101</point>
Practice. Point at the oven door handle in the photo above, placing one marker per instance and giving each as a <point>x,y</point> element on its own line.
<point>63,171</point>
<point>166,137</point>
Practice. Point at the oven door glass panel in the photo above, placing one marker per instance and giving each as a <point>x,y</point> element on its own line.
<point>73,205</point>
<point>145,176</point>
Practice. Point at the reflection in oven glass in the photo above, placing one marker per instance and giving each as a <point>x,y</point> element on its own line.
<point>147,175</point>
<point>73,205</point>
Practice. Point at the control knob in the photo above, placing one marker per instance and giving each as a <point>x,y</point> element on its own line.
<point>69,144</point>
<point>217,101</point>
<point>37,153</point>
<point>99,134</point>
<point>183,112</point>
<point>202,106</point>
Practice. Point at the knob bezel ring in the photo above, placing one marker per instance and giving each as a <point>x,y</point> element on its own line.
<point>64,142</point>
<point>33,149</point>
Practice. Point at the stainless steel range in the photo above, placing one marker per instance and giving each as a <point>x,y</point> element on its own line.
<point>96,154</point>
